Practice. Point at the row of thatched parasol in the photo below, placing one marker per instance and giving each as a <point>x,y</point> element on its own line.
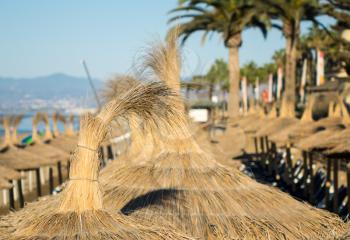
<point>328,137</point>
<point>23,158</point>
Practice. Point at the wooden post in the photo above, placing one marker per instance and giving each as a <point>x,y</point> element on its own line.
<point>262,157</point>
<point>348,185</point>
<point>51,180</point>
<point>110,152</point>
<point>59,172</point>
<point>335,183</point>
<point>274,160</point>
<point>311,163</point>
<point>38,182</point>
<point>68,167</point>
<point>20,193</point>
<point>328,183</point>
<point>305,177</point>
<point>11,198</point>
<point>256,147</point>
<point>101,153</point>
<point>289,167</point>
<point>268,156</point>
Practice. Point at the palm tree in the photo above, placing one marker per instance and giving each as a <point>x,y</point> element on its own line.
<point>340,10</point>
<point>250,71</point>
<point>217,74</point>
<point>279,59</point>
<point>292,13</point>
<point>228,18</point>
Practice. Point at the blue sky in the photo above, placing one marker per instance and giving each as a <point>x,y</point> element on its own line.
<point>40,37</point>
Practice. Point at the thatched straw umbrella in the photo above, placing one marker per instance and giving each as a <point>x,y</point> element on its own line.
<point>206,199</point>
<point>9,173</point>
<point>60,140</point>
<point>336,124</point>
<point>332,141</point>
<point>70,126</point>
<point>5,122</point>
<point>333,119</point>
<point>78,212</point>
<point>40,148</point>
<point>284,120</point>
<point>4,184</point>
<point>281,138</point>
<point>16,120</point>
<point>14,157</point>
<point>187,186</point>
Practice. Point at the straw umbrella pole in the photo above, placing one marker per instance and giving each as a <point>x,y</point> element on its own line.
<point>78,212</point>
<point>187,186</point>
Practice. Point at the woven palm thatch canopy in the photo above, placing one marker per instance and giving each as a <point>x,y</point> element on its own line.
<point>186,185</point>
<point>78,212</point>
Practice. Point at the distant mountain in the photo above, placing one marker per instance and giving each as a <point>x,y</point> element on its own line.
<point>18,91</point>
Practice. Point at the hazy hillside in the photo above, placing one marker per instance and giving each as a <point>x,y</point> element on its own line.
<point>24,92</point>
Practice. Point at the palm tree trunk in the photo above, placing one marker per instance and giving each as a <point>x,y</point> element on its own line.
<point>211,89</point>
<point>234,75</point>
<point>291,31</point>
